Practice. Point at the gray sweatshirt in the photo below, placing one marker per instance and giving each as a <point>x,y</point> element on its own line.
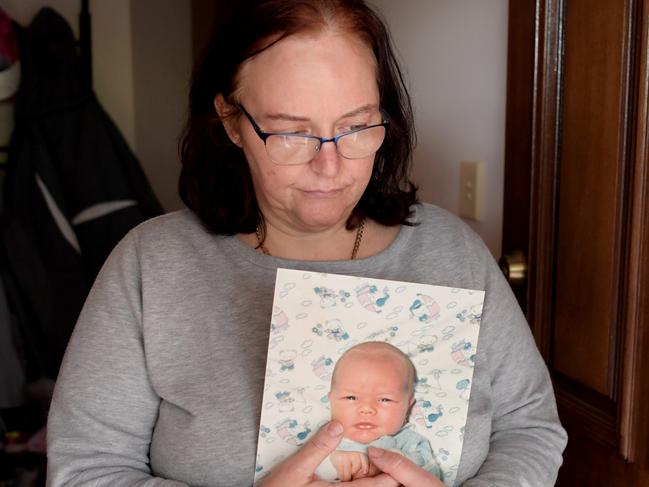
<point>164,372</point>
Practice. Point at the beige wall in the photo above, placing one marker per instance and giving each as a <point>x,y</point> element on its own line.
<point>112,63</point>
<point>162,62</point>
<point>141,64</point>
<point>455,59</point>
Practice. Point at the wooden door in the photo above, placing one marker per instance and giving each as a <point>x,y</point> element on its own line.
<point>577,203</point>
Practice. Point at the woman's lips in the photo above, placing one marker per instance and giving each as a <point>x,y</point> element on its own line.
<point>322,193</point>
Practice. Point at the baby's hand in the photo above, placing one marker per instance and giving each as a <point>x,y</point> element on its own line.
<point>352,465</point>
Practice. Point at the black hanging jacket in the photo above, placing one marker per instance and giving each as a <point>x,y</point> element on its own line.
<point>73,189</point>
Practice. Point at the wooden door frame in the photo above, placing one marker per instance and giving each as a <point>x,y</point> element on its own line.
<point>531,159</point>
<point>635,385</point>
<point>530,208</point>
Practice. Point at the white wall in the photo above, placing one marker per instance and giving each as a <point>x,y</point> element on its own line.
<point>142,57</point>
<point>454,54</point>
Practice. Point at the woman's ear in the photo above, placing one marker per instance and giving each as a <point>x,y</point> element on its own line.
<point>225,112</point>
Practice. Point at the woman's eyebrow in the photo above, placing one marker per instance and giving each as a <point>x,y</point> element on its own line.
<point>285,116</point>
<point>364,109</point>
<point>295,118</point>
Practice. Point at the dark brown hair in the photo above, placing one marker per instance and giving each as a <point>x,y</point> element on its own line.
<point>215,180</point>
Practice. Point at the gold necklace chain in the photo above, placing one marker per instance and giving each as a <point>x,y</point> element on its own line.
<point>359,238</point>
<point>357,241</point>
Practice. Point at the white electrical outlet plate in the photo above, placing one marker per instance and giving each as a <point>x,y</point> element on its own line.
<point>471,182</point>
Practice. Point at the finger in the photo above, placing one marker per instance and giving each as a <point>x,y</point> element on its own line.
<point>365,465</point>
<point>339,472</point>
<point>359,469</point>
<point>373,470</point>
<point>381,480</point>
<point>312,454</point>
<point>338,465</point>
<point>352,468</point>
<point>347,470</point>
<point>357,464</point>
<point>401,469</point>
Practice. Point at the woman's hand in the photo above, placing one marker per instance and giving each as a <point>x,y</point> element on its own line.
<point>402,470</point>
<point>298,470</point>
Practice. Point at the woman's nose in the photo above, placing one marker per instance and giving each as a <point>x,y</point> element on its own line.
<point>327,160</point>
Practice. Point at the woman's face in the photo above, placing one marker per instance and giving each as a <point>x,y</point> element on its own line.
<point>321,84</point>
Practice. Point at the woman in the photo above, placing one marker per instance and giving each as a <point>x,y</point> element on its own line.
<point>296,155</point>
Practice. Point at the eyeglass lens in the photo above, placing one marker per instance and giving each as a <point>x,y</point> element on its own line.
<point>298,149</point>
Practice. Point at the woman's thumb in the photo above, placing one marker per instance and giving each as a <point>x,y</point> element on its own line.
<point>312,454</point>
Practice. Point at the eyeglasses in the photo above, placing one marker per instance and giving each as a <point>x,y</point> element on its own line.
<point>288,149</point>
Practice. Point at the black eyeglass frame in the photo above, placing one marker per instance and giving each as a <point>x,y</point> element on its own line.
<point>264,135</point>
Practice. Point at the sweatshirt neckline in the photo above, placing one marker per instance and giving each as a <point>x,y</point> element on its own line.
<point>245,252</point>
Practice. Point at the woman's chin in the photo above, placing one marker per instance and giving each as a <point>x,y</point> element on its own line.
<point>324,218</point>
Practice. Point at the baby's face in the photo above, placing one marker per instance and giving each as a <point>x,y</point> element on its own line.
<point>370,396</point>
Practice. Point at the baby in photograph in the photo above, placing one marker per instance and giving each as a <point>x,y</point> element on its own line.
<point>371,394</point>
